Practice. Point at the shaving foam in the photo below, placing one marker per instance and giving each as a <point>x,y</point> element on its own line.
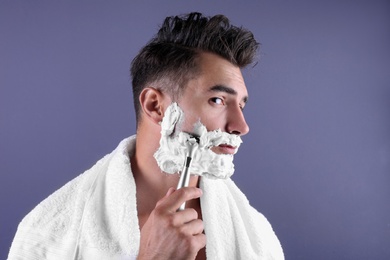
<point>172,152</point>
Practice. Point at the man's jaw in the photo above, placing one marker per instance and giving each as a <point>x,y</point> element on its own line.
<point>213,150</point>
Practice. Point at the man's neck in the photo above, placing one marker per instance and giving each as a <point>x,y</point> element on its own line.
<point>152,184</point>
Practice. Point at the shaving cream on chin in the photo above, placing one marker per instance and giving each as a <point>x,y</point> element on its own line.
<point>171,154</point>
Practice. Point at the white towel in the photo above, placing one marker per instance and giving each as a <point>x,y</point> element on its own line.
<point>95,217</point>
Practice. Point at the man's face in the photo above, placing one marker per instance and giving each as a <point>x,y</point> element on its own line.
<point>216,97</point>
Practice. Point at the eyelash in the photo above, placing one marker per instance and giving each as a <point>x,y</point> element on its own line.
<point>214,100</point>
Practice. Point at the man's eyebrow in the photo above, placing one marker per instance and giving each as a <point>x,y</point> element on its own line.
<point>222,88</point>
<point>229,90</point>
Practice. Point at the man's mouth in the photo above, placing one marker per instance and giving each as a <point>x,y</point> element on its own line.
<point>224,149</point>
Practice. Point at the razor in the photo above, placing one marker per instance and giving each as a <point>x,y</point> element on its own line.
<point>184,180</point>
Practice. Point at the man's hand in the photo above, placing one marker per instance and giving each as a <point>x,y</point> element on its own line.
<point>172,234</point>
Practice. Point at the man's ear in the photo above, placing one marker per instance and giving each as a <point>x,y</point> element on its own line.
<point>152,105</point>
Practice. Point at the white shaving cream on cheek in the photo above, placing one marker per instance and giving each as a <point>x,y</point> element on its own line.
<point>172,152</point>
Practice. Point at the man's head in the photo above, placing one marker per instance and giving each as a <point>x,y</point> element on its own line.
<point>172,57</point>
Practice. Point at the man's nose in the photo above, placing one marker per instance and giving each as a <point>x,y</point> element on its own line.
<point>236,123</point>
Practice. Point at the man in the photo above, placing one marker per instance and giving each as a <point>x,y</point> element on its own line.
<point>125,207</point>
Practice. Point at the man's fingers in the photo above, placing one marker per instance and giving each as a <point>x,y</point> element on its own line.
<point>185,216</point>
<point>173,201</point>
<point>195,227</point>
<point>178,231</point>
<point>199,242</point>
<point>170,191</point>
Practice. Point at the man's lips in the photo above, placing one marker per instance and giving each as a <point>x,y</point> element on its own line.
<point>225,149</point>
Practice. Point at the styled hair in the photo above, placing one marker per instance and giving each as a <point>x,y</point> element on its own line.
<point>170,58</point>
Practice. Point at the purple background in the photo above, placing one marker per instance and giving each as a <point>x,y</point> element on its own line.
<point>317,159</point>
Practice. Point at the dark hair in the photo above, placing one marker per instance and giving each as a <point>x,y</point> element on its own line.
<point>170,58</point>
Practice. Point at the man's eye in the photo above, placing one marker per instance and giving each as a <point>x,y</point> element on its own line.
<point>217,100</point>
